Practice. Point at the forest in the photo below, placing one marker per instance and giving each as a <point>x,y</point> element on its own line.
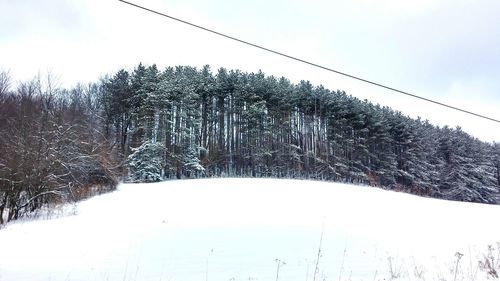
<point>146,124</point>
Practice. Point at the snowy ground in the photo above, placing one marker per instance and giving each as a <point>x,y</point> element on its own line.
<point>242,229</point>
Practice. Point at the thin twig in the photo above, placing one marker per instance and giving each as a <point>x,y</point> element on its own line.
<point>319,249</point>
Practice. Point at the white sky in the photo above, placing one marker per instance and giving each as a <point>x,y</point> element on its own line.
<point>448,50</point>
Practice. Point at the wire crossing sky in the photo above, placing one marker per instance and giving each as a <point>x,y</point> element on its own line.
<point>312,64</point>
<point>445,51</point>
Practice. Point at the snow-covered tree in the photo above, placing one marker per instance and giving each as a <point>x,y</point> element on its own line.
<point>192,166</point>
<point>146,162</point>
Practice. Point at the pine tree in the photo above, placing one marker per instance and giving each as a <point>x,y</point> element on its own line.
<point>146,162</point>
<point>117,110</point>
<point>496,163</point>
<point>192,166</point>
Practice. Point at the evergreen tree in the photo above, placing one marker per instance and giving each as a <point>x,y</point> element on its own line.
<point>117,110</point>
<point>146,162</point>
<point>496,163</point>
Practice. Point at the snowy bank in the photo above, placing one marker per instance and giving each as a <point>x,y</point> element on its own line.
<point>244,229</point>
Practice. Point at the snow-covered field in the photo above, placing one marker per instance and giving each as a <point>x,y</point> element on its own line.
<point>243,229</point>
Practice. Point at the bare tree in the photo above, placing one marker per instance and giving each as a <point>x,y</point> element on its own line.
<point>5,82</point>
<point>52,149</point>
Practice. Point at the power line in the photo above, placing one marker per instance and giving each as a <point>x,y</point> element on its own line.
<point>311,63</point>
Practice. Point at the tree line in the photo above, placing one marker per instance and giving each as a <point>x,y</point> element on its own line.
<point>148,124</point>
<point>194,123</point>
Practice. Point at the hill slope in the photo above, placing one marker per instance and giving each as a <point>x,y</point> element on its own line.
<point>242,229</point>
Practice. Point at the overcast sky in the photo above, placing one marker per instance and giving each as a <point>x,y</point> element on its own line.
<point>447,50</point>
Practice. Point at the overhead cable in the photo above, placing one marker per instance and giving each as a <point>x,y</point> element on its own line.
<point>313,64</point>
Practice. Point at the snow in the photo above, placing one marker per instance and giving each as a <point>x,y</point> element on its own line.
<point>240,229</point>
